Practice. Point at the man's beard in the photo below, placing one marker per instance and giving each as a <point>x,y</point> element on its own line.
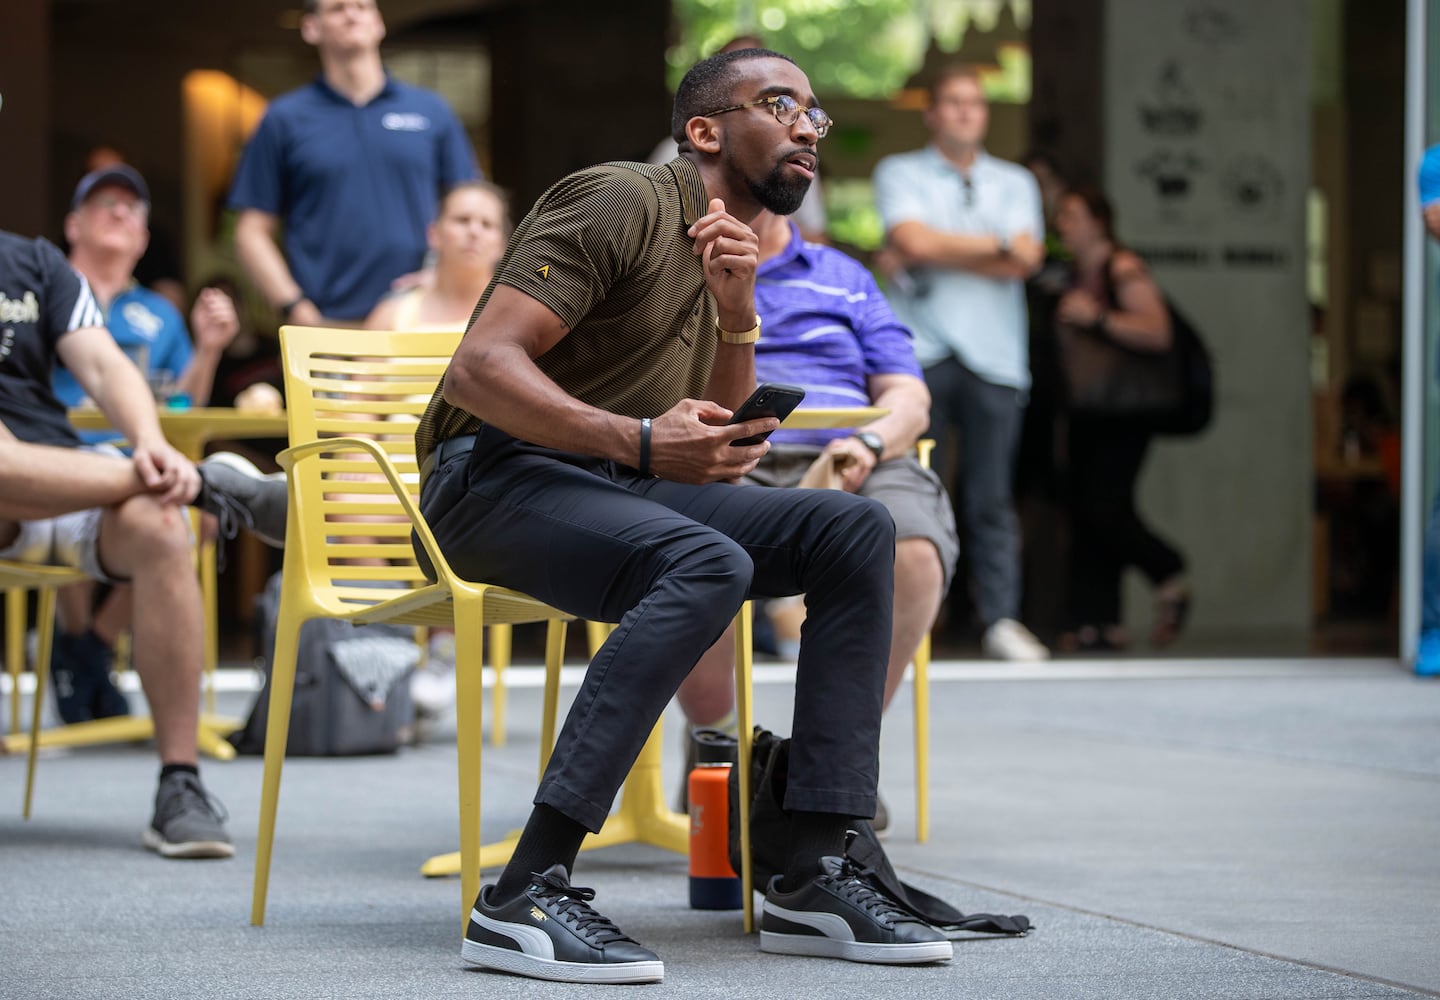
<point>781,191</point>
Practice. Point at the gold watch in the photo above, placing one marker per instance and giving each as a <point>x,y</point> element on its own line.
<point>743,337</point>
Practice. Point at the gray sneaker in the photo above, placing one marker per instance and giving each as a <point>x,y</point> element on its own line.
<point>189,822</point>
<point>240,495</point>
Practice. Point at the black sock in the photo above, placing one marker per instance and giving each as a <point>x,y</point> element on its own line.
<point>549,838</point>
<point>813,836</point>
<point>168,769</point>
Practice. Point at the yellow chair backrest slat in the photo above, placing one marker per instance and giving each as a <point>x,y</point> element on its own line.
<point>352,529</point>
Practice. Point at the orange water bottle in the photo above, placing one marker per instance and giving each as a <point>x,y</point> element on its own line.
<point>713,882</point>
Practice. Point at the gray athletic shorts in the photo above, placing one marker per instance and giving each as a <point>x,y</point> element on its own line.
<point>71,540</point>
<point>913,494</point>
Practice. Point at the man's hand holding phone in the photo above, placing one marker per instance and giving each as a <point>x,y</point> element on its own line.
<point>770,399</point>
<point>700,441</point>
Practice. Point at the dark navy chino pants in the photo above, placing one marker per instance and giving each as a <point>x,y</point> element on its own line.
<point>672,563</point>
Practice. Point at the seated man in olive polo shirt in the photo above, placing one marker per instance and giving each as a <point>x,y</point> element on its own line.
<point>577,450</point>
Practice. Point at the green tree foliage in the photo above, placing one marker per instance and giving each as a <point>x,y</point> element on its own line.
<point>866,48</point>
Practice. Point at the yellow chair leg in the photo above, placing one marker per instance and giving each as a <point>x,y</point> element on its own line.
<point>745,722</point>
<point>495,854</point>
<point>15,648</point>
<point>501,638</point>
<point>209,598</point>
<point>595,634</point>
<point>554,657</point>
<point>277,734</point>
<point>469,708</point>
<point>45,628</point>
<point>643,816</point>
<point>922,739</point>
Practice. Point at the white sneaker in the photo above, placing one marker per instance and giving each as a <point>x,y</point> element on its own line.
<point>1007,639</point>
<point>432,685</point>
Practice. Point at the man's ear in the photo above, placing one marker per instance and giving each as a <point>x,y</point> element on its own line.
<point>72,228</point>
<point>309,30</point>
<point>703,134</point>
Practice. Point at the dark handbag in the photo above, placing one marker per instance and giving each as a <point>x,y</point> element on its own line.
<point>1169,392</point>
<point>770,835</point>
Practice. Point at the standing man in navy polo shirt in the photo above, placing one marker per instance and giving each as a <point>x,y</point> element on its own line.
<point>354,165</point>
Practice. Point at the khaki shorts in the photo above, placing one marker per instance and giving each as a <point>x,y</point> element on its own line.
<point>913,494</point>
<point>71,540</point>
<point>68,540</point>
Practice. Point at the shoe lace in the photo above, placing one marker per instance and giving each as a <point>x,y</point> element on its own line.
<point>191,795</point>
<point>230,516</point>
<point>857,884</point>
<point>572,904</point>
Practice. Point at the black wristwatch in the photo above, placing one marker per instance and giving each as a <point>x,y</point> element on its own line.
<point>872,441</point>
<point>289,307</point>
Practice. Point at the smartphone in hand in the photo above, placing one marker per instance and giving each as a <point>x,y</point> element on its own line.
<point>770,399</point>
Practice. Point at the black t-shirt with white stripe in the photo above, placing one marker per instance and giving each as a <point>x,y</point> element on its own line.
<point>606,250</point>
<point>41,299</point>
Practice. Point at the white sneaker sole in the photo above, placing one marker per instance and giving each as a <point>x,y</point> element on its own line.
<point>187,849</point>
<point>521,964</point>
<point>818,946</point>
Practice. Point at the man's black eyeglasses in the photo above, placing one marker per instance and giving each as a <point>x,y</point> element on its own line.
<point>787,112</point>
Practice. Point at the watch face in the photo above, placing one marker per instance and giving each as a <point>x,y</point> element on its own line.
<point>872,441</point>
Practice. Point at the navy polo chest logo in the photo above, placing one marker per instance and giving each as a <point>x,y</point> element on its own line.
<point>405,121</point>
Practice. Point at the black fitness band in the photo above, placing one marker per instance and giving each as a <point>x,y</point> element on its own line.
<point>644,466</point>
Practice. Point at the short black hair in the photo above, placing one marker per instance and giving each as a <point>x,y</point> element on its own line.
<point>710,84</point>
<point>313,6</point>
<point>1098,205</point>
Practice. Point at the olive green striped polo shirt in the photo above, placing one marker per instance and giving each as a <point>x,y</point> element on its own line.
<point>606,249</point>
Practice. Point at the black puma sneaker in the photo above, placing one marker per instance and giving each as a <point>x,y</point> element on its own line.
<point>551,932</point>
<point>840,914</point>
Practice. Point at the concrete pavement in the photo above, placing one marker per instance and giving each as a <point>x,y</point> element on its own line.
<point>1266,829</point>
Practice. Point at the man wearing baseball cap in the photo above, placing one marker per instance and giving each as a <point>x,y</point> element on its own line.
<point>108,230</point>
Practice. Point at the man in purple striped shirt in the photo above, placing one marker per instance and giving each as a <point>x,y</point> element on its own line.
<point>829,329</point>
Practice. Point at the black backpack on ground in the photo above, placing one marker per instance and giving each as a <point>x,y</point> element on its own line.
<point>352,690</point>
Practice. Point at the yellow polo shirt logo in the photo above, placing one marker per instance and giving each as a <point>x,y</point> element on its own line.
<point>544,272</point>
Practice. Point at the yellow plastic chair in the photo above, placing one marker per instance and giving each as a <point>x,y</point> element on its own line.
<point>342,389</point>
<point>16,579</point>
<point>920,681</point>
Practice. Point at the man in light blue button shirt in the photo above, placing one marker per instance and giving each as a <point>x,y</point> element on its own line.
<point>968,230</point>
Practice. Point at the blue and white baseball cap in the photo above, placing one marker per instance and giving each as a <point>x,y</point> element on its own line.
<point>119,174</point>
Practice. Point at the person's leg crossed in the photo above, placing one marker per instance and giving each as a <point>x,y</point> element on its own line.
<point>558,528</point>
<point>839,550</point>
